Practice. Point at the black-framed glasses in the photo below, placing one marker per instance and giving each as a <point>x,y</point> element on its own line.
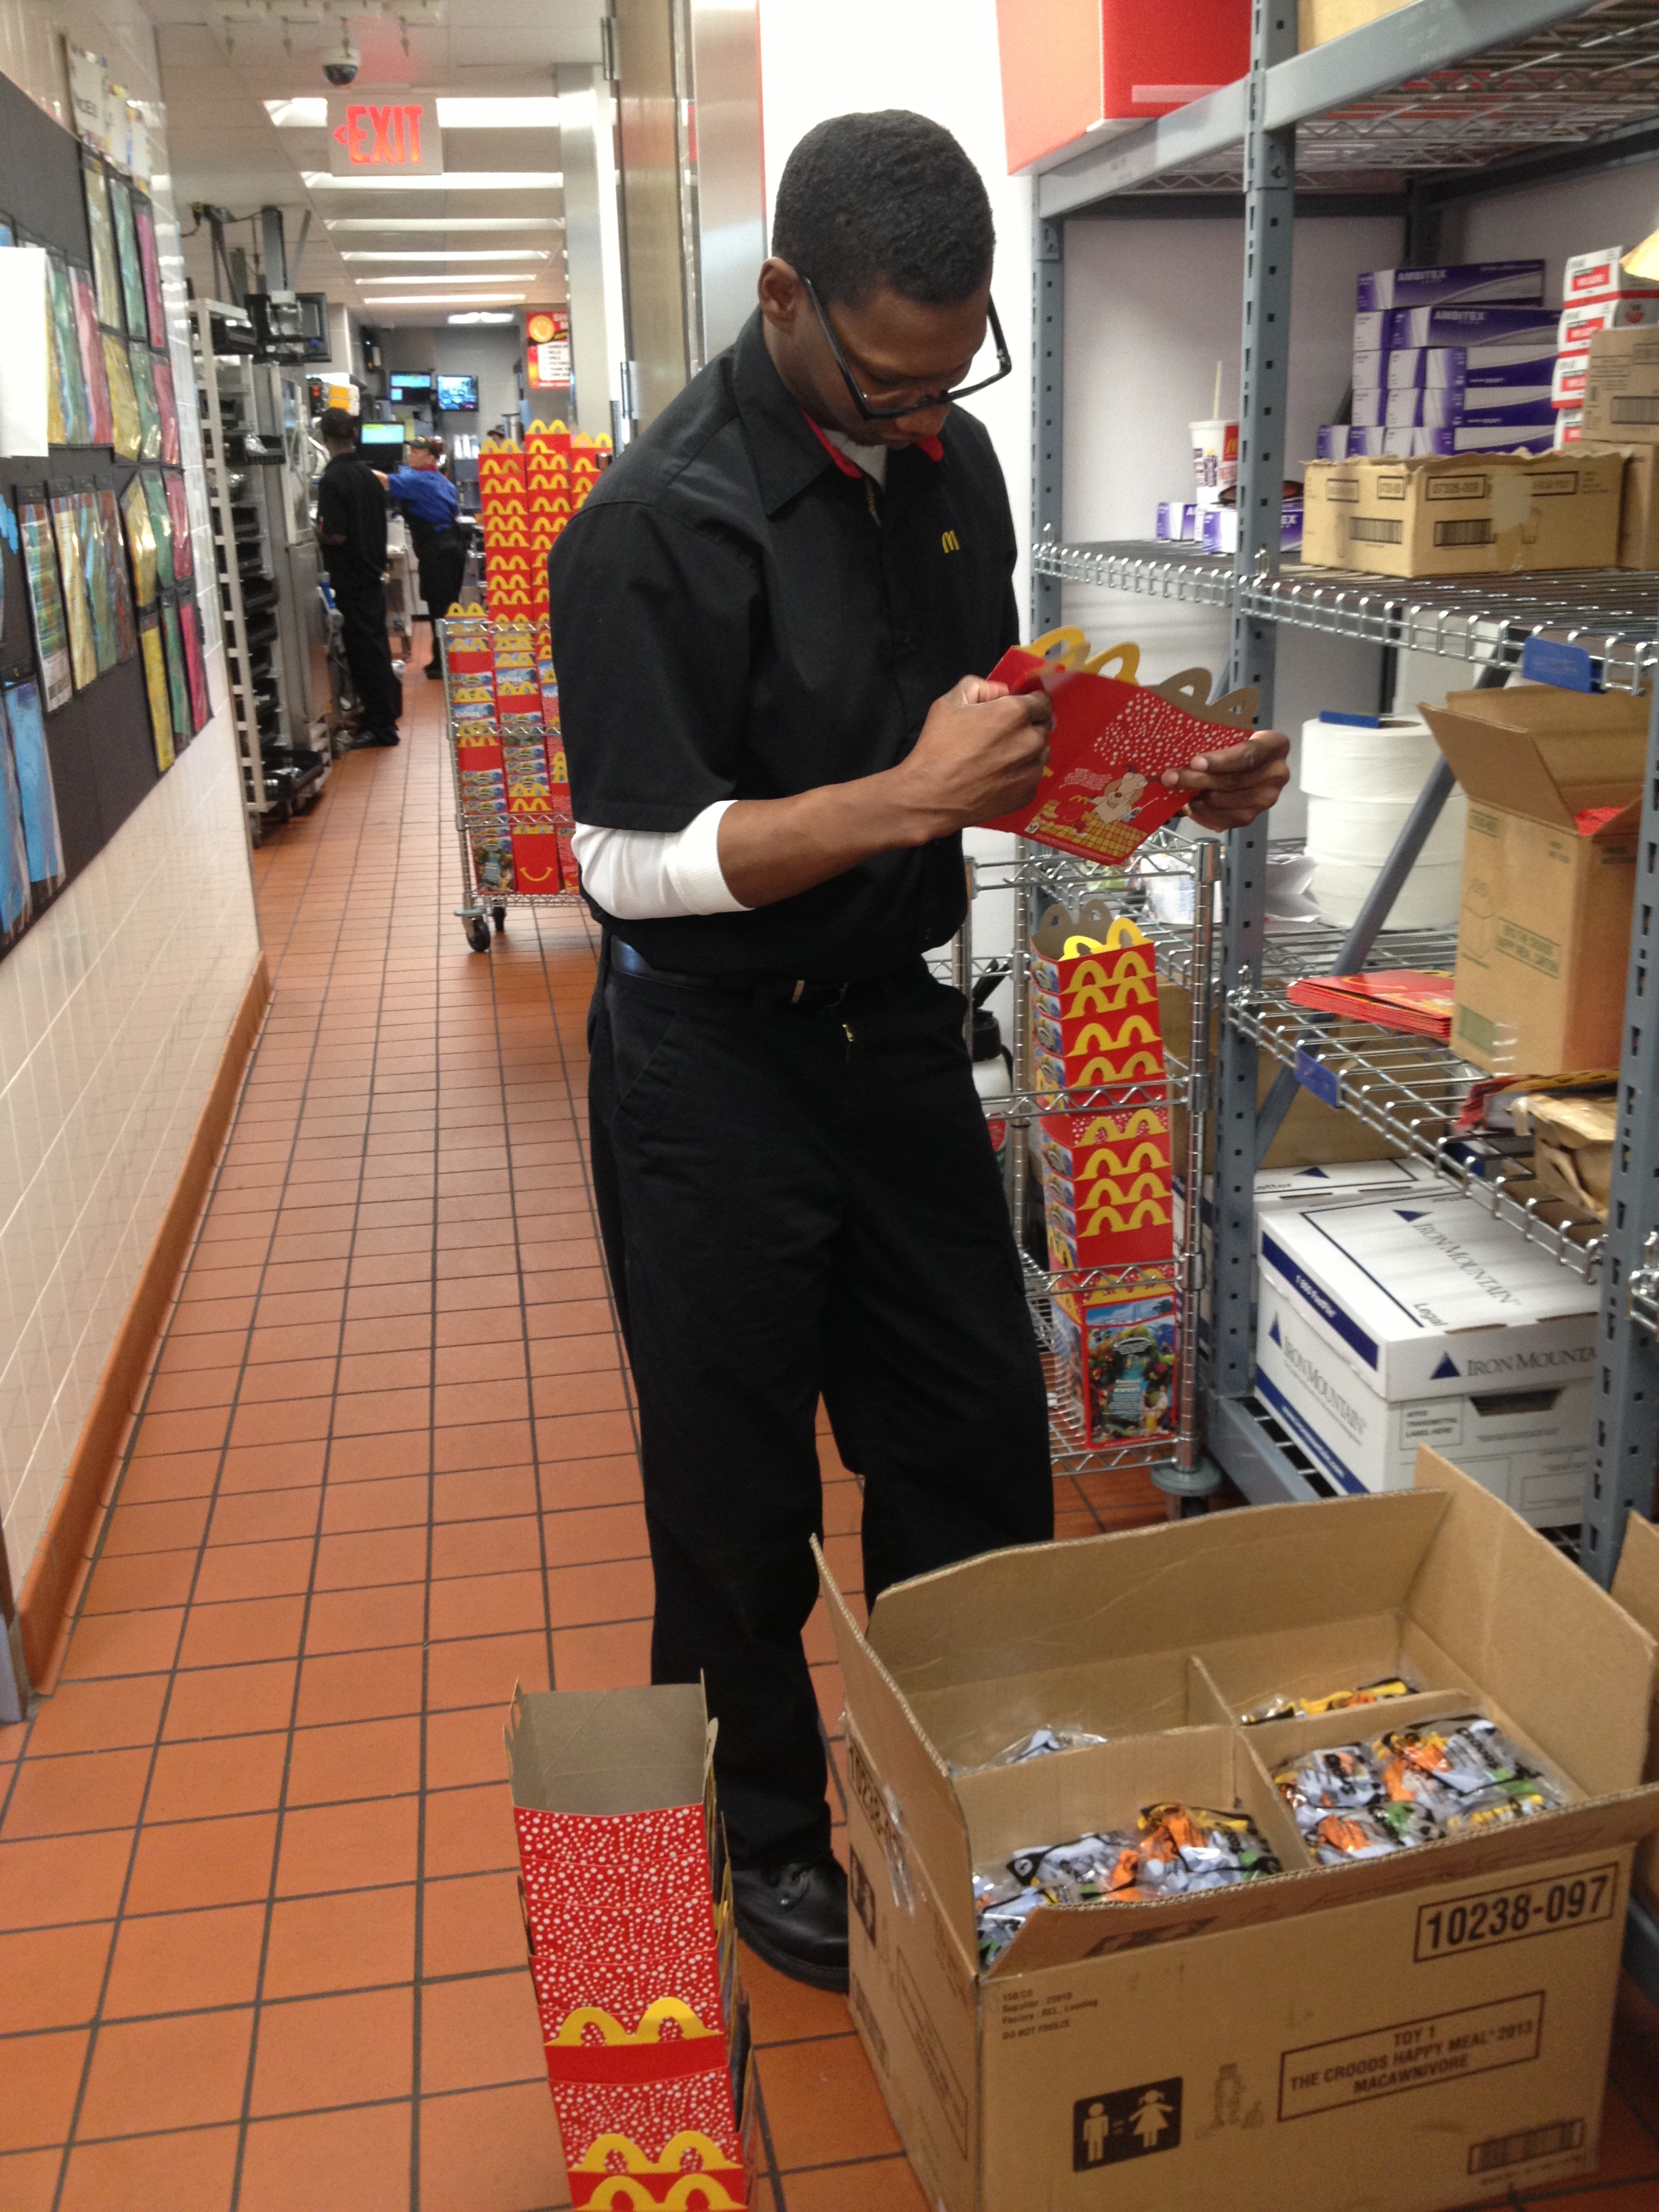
<point>1005,367</point>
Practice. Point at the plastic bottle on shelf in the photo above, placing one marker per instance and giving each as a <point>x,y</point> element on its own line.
<point>994,1065</point>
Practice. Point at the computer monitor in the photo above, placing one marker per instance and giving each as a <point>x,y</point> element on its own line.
<point>411,384</point>
<point>382,433</point>
<point>458,395</point>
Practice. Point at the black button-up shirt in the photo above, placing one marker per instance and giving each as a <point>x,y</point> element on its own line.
<point>735,618</point>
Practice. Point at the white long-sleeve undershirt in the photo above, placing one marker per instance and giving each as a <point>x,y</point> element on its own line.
<point>648,875</point>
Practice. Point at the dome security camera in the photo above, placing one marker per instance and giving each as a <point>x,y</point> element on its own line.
<point>340,63</point>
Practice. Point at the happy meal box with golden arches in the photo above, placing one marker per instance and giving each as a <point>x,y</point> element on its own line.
<point>1101,794</point>
<point>1107,1187</point>
<point>632,1946</point>
<point>1094,1001</point>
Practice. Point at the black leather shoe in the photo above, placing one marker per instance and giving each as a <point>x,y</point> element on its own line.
<point>795,1916</point>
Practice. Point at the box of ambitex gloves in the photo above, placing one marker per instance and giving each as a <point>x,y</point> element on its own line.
<point>1155,1967</point>
<point>1529,1445</point>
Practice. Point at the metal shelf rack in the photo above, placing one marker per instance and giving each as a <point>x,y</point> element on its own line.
<point>1439,102</point>
<point>1612,613</point>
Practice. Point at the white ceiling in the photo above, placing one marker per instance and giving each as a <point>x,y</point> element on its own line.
<point>225,150</point>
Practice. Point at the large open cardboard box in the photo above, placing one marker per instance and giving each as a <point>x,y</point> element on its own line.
<point>1636,1587</point>
<point>1411,2034</point>
<point>1543,931</point>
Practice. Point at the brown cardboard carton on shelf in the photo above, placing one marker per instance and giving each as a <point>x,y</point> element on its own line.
<point>1554,779</point>
<point>1318,22</point>
<point>1436,2021</point>
<point>1638,516</point>
<point>1621,391</point>
<point>1636,1587</point>
<point>1469,515</point>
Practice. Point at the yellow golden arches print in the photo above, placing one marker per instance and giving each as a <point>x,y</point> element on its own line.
<point>690,2143</point>
<point>649,2030</point>
<point>692,2192</point>
<point>949,542</point>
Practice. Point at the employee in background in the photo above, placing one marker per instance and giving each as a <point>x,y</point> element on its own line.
<point>431,506</point>
<point>775,616</point>
<point>351,533</point>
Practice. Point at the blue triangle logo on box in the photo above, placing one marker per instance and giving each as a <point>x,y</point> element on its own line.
<point>1406,1215</point>
<point>1274,1336</point>
<point>1448,1366</point>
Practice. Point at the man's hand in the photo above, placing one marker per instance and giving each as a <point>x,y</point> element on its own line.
<point>1231,787</point>
<point>981,753</point>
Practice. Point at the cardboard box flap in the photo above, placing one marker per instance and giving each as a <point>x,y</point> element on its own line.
<point>1062,1936</point>
<point>1488,1571</point>
<point>917,1806</point>
<point>609,1751</point>
<point>1046,1607</point>
<point>1531,749</point>
<point>1636,1583</point>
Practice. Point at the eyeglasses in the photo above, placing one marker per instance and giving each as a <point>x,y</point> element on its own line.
<point>1005,367</point>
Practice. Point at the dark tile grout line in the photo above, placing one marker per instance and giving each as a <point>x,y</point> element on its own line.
<point>89,2055</point>
<point>250,2073</point>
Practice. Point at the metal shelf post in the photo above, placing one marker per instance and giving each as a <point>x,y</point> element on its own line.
<point>1625,1441</point>
<point>1269,213</point>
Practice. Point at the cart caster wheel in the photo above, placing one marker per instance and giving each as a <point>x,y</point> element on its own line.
<point>498,915</point>
<point>478,934</point>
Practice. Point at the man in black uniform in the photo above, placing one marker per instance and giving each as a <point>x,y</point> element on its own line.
<point>773,619</point>
<point>351,532</point>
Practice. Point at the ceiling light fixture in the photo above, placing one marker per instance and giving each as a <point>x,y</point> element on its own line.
<point>473,254</point>
<point>449,180</point>
<point>447,300</point>
<point>478,315</point>
<point>389,223</point>
<point>474,278</point>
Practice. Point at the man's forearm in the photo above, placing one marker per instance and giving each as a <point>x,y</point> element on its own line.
<point>770,848</point>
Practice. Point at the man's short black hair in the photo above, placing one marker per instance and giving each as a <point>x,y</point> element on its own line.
<point>888,198</point>
<point>337,427</point>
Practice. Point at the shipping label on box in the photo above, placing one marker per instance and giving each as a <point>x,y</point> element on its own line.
<point>1600,275</point>
<point>1579,325</point>
<point>1530,1447</point>
<point>1553,779</point>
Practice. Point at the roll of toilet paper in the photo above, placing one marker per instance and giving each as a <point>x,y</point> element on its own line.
<point>1339,760</point>
<point>1428,899</point>
<point>1365,830</point>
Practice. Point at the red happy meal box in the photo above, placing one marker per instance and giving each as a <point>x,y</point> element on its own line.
<point>1100,796</point>
<point>632,1951</point>
<point>1107,1188</point>
<point>1094,1015</point>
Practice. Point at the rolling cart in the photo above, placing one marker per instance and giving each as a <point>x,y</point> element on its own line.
<point>513,818</point>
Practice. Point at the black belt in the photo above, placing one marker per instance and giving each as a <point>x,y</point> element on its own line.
<point>787,990</point>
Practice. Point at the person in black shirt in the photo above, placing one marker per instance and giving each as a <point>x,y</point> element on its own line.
<point>351,532</point>
<point>773,621</point>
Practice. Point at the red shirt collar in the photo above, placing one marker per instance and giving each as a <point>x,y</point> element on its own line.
<point>934,448</point>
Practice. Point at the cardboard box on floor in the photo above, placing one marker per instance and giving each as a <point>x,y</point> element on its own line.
<point>1431,2028</point>
<point>1543,929</point>
<point>1469,515</point>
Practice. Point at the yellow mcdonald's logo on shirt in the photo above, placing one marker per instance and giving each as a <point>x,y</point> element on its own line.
<point>949,541</point>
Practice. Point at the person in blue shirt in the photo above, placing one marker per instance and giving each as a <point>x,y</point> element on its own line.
<point>431,506</point>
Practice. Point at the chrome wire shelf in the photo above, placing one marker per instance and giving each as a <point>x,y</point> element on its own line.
<point>1410,1090</point>
<point>1614,613</point>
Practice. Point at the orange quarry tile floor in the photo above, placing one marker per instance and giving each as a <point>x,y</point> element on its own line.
<point>260,1937</point>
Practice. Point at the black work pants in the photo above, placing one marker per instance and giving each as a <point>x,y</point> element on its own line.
<point>442,567</point>
<point>369,656</point>
<point>794,1203</point>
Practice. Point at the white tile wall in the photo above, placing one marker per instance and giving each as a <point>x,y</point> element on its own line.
<point>115,1007</point>
<point>114,1010</point>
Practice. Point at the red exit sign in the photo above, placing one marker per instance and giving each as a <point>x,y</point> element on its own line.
<point>375,137</point>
